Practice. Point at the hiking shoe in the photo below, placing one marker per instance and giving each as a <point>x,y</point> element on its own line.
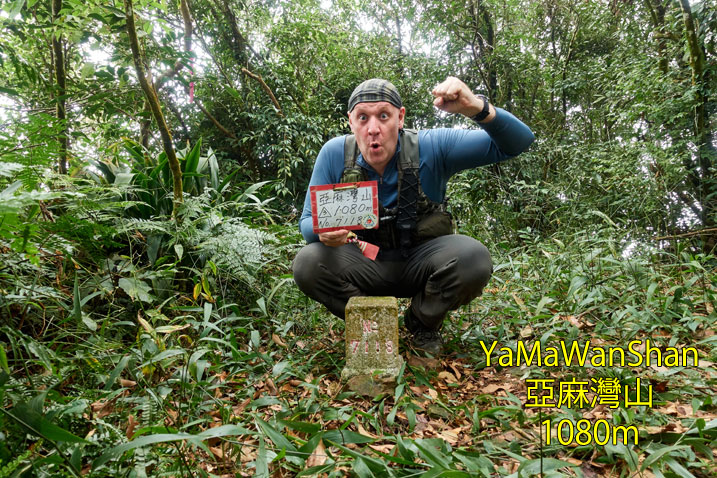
<point>429,341</point>
<point>424,339</point>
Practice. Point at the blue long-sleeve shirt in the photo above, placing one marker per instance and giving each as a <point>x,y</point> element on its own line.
<point>442,153</point>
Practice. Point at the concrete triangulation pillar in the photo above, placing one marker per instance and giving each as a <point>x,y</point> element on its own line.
<point>372,359</point>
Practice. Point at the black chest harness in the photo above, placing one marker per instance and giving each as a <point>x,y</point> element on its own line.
<point>416,218</point>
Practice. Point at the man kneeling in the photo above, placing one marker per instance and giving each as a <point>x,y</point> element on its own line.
<point>419,256</point>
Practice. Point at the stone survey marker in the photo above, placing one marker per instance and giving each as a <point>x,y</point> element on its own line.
<point>371,342</point>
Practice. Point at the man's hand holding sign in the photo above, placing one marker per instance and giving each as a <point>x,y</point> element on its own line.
<point>338,209</point>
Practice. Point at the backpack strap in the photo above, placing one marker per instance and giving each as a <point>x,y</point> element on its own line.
<point>352,172</point>
<point>409,188</point>
<point>408,157</point>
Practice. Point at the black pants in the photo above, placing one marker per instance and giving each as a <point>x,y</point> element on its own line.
<point>439,275</point>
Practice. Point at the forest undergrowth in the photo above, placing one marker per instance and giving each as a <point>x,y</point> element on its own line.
<point>190,352</point>
<point>149,322</point>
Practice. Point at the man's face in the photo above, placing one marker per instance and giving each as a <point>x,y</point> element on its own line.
<point>376,126</point>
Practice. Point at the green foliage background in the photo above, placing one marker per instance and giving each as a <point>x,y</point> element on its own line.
<point>108,298</point>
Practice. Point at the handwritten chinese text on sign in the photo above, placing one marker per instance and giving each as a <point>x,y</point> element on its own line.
<point>344,206</point>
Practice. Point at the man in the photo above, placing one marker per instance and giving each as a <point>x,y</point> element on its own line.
<point>419,256</point>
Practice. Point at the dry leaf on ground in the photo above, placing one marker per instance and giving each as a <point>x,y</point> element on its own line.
<point>277,340</point>
<point>318,457</point>
<point>447,376</point>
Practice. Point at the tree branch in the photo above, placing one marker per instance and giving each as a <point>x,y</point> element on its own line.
<point>179,64</point>
<point>61,112</point>
<point>214,120</point>
<point>151,96</point>
<point>700,232</point>
<point>266,88</point>
<point>214,59</point>
<point>689,203</point>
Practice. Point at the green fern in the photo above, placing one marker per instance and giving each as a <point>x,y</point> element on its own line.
<point>237,248</point>
<point>145,226</point>
<point>150,411</point>
<point>8,170</point>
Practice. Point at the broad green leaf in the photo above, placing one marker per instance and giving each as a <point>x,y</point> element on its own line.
<point>88,70</point>
<point>309,447</point>
<point>475,462</point>
<point>627,454</point>
<point>225,430</point>
<point>304,427</point>
<point>255,340</point>
<point>76,457</point>
<point>679,469</point>
<point>45,355</point>
<point>213,171</point>
<point>116,372</point>
<point>261,463</point>
<point>660,453</point>
<point>533,467</point>
<point>275,436</point>
<point>123,179</point>
<point>9,91</point>
<point>361,469</point>
<point>15,8</point>
<point>136,289</point>
<point>38,425</point>
<point>76,304</point>
<point>192,159</point>
<point>376,466</point>
<point>395,459</point>
<point>89,323</point>
<point>281,442</point>
<point>318,470</point>
<point>404,448</point>
<point>261,302</point>
<point>3,360</point>
<point>164,355</point>
<point>140,442</point>
<point>576,283</point>
<point>391,418</point>
<point>541,304</point>
<point>197,366</point>
<point>279,367</point>
<point>604,216</point>
<point>432,456</point>
<point>344,437</point>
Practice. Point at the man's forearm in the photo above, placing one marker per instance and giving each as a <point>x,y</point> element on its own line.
<point>510,134</point>
<point>473,111</point>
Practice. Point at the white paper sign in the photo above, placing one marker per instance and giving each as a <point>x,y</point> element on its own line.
<point>344,206</point>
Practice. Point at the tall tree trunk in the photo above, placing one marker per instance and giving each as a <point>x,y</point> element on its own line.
<point>485,36</point>
<point>240,48</point>
<point>657,14</point>
<point>151,97</point>
<point>708,182</point>
<point>237,40</point>
<point>60,78</point>
<point>169,73</point>
<point>490,41</point>
<point>568,57</point>
<point>399,42</point>
<point>145,124</point>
